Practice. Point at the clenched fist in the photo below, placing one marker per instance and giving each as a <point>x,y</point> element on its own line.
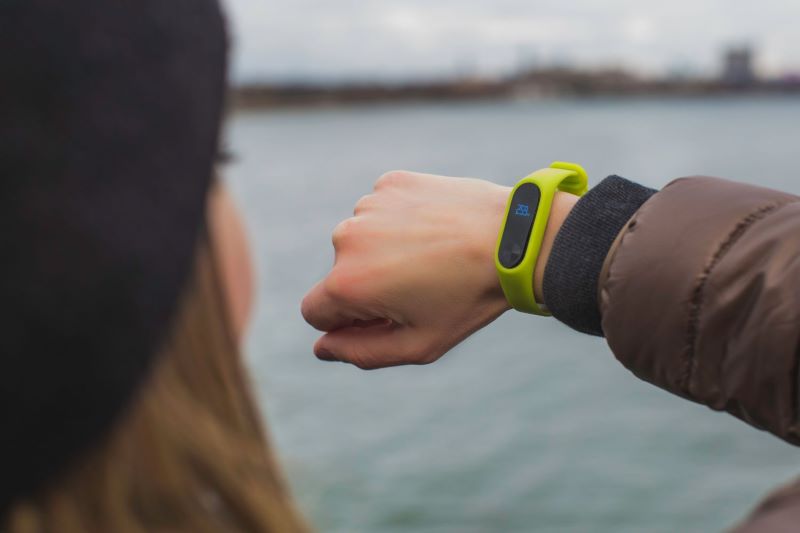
<point>414,273</point>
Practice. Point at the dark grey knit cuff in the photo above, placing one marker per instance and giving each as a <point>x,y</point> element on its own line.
<point>581,247</point>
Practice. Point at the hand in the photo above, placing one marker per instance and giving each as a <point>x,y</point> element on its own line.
<point>414,273</point>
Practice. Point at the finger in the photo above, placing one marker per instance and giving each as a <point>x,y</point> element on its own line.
<point>323,312</point>
<point>364,204</point>
<point>370,348</point>
<point>397,179</point>
<point>348,232</point>
<point>326,309</point>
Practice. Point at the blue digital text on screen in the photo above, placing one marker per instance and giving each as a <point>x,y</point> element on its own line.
<point>523,210</point>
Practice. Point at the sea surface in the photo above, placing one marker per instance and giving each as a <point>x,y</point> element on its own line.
<point>527,426</point>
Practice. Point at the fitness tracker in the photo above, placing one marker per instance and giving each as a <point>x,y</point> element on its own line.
<point>520,240</point>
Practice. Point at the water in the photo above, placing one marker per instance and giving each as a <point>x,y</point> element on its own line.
<point>527,426</point>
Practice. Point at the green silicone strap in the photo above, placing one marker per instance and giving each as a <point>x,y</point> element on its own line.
<point>517,282</point>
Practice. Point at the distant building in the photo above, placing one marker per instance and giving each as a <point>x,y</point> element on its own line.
<point>738,67</point>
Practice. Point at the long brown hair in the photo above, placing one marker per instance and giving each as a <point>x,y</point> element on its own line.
<point>190,455</point>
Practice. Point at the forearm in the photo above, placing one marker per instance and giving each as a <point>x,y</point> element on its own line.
<point>697,293</point>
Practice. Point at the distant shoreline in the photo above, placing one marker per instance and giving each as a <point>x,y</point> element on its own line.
<point>538,85</point>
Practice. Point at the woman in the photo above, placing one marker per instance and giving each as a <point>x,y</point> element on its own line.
<point>126,282</point>
<point>125,279</point>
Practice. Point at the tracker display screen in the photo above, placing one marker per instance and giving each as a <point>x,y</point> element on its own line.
<point>519,225</point>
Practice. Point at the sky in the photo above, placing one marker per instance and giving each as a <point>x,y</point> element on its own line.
<point>345,40</point>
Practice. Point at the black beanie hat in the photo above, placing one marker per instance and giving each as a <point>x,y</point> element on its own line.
<point>109,121</point>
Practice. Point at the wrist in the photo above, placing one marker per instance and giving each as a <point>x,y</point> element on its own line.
<point>563,203</point>
<point>499,201</point>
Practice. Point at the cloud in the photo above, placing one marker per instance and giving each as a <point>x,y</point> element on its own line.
<point>392,39</point>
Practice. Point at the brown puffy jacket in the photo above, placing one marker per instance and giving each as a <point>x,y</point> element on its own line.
<point>700,295</point>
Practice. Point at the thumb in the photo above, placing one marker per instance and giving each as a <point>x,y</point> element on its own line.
<point>374,347</point>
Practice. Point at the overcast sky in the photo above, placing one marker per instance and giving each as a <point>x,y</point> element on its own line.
<point>396,39</point>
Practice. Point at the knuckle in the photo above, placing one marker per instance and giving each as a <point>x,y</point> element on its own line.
<point>363,204</point>
<point>310,311</point>
<point>363,360</point>
<point>391,179</point>
<point>305,309</point>
<point>342,233</point>
<point>361,365</point>
<point>363,357</point>
<point>338,286</point>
